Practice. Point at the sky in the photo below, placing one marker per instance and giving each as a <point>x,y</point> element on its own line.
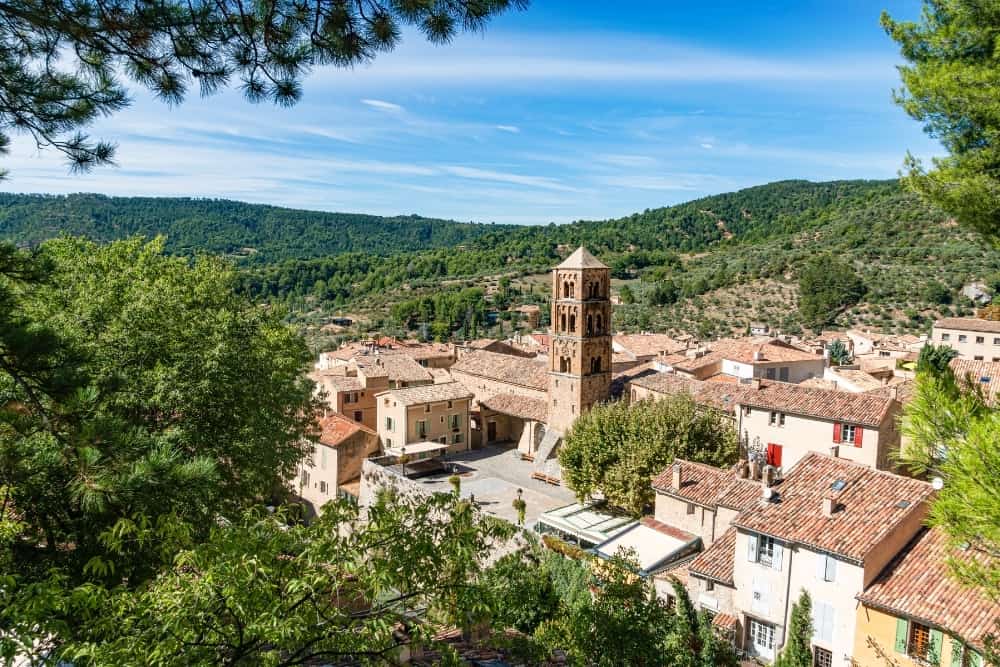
<point>573,109</point>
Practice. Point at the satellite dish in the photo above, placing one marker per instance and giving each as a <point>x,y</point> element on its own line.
<point>937,483</point>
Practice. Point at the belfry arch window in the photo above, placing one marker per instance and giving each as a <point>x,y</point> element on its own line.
<point>600,323</point>
<point>595,365</point>
<point>565,289</point>
<point>590,325</point>
<point>572,323</point>
<point>562,322</point>
<point>564,364</point>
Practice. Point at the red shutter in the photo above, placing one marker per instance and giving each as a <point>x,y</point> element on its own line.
<point>836,431</point>
<point>858,432</point>
<point>774,455</point>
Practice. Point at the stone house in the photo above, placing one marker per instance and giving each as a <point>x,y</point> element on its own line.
<point>337,454</point>
<point>781,423</point>
<point>974,339</point>
<point>436,413</point>
<point>742,359</point>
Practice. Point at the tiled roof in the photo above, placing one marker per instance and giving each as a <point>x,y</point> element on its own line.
<point>862,408</point>
<point>870,503</point>
<point>397,366</point>
<point>666,529</point>
<point>428,350</point>
<point>518,406</point>
<point>642,345</point>
<point>708,486</point>
<point>743,351</point>
<point>717,561</point>
<point>721,396</point>
<point>541,339</point>
<point>860,379</point>
<point>334,381</point>
<point>429,393</point>
<point>582,259</point>
<point>504,368</point>
<point>334,429</point>
<point>982,374</point>
<point>917,584</point>
<point>969,324</point>
<point>900,391</point>
<point>725,622</point>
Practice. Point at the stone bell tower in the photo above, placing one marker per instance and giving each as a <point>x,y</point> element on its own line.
<point>580,338</point>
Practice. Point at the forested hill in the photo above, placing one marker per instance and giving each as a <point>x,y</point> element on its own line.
<point>265,233</point>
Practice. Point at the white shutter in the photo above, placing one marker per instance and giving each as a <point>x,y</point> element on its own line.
<point>821,567</point>
<point>823,617</point>
<point>831,568</point>
<point>828,623</point>
<point>759,603</point>
<point>776,560</point>
<point>752,548</point>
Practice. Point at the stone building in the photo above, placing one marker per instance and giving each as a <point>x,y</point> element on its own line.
<point>580,342</point>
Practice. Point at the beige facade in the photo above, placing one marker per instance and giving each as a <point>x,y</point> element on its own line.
<point>580,354</point>
<point>783,437</point>
<point>435,413</point>
<point>974,339</point>
<point>336,458</point>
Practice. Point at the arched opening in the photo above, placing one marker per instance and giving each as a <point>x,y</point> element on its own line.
<point>562,322</point>
<point>595,365</point>
<point>566,289</point>
<point>600,323</point>
<point>590,325</point>
<point>564,364</point>
<point>572,323</point>
<point>572,291</point>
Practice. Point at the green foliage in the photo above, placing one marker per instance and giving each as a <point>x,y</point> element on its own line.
<point>827,285</point>
<point>63,63</point>
<point>141,400</point>
<point>626,294</point>
<point>259,592</point>
<point>951,84</point>
<point>934,359</point>
<point>618,447</point>
<point>798,642</point>
<point>839,354</point>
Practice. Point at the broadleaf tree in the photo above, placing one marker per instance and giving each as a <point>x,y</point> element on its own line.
<point>65,63</point>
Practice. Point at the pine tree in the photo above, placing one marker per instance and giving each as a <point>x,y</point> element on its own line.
<point>798,643</point>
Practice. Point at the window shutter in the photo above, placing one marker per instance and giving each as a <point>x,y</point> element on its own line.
<point>821,567</point>
<point>836,431</point>
<point>902,626</point>
<point>975,660</point>
<point>858,432</point>
<point>831,568</point>
<point>956,652</point>
<point>776,560</point>
<point>937,640</point>
<point>752,548</point>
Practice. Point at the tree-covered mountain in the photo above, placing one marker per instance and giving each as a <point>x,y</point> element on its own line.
<point>219,226</point>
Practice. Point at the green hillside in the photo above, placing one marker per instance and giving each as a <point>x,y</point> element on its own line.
<point>259,233</point>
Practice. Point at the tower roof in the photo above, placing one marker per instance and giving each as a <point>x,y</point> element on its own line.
<point>581,259</point>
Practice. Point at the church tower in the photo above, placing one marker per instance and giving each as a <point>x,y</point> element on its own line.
<point>580,338</point>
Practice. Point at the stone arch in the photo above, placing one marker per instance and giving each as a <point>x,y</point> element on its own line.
<point>562,322</point>
<point>565,364</point>
<point>600,323</point>
<point>595,364</point>
<point>572,322</point>
<point>590,325</point>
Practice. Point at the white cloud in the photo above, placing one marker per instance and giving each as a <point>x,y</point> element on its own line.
<point>513,129</point>
<point>382,105</point>
<point>707,146</point>
<point>503,177</point>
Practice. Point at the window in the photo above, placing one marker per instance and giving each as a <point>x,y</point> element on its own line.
<point>823,617</point>
<point>884,353</point>
<point>322,487</point>
<point>351,397</point>
<point>322,458</point>
<point>746,410</point>
<point>358,416</point>
<point>769,373</point>
<point>919,645</point>
<point>783,373</point>
<point>945,337</point>
<point>388,443</point>
<point>996,340</point>
<point>978,357</point>
<point>980,339</point>
<point>453,421</point>
<point>427,407</point>
<point>848,432</point>
<point>777,419</point>
<point>388,424</point>
<point>456,439</point>
<point>709,585</point>
<point>449,405</point>
<point>422,429</point>
<point>304,478</point>
<point>826,567</point>
<point>765,550</point>
<point>762,638</point>
<point>822,657</point>
<point>962,338</point>
<point>690,508</point>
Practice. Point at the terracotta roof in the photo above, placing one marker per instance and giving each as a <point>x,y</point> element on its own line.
<point>969,324</point>
<point>709,486</point>
<point>819,383</point>
<point>917,584</point>
<point>900,391</point>
<point>335,428</point>
<point>541,339</point>
<point>982,374</point>
<point>743,350</point>
<point>666,529</point>
<point>582,259</point>
<point>646,344</point>
<point>717,561</point>
<point>861,408</point>
<point>721,396</point>
<point>504,368</point>
<point>418,350</point>
<point>870,503</point>
<point>860,379</point>
<point>725,622</point>
<point>518,406</point>
<point>397,366</point>
<point>334,381</point>
<point>429,393</point>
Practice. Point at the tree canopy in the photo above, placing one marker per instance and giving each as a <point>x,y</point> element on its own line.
<point>951,84</point>
<point>63,63</point>
<point>617,448</point>
<point>827,285</point>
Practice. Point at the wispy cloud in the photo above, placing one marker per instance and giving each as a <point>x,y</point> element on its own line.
<point>503,177</point>
<point>382,105</point>
<point>513,129</point>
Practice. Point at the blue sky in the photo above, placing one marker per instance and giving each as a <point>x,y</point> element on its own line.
<point>570,110</point>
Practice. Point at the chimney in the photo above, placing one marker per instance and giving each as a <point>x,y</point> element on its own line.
<point>835,451</point>
<point>758,355</point>
<point>829,506</point>
<point>756,383</point>
<point>675,478</point>
<point>767,476</point>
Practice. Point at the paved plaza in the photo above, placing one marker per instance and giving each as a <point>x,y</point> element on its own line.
<point>493,475</point>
